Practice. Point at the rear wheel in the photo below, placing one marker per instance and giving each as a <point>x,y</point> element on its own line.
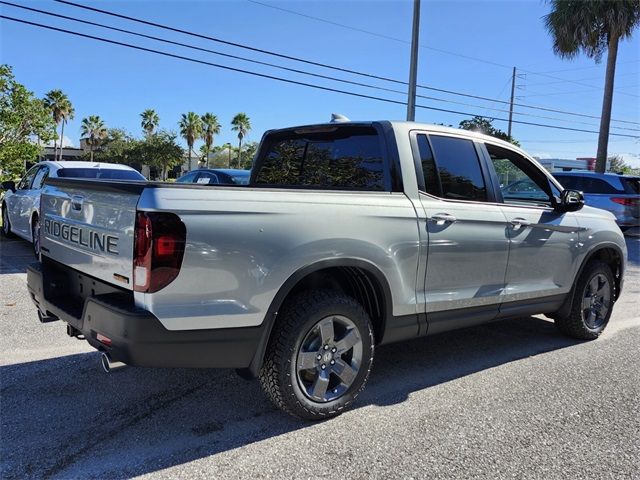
<point>6,224</point>
<point>592,303</point>
<point>319,356</point>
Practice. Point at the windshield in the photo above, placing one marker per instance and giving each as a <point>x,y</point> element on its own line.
<point>100,173</point>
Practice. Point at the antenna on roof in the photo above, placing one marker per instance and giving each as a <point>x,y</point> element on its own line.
<point>338,118</point>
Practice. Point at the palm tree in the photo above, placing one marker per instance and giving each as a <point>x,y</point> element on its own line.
<point>150,121</point>
<point>229,148</point>
<point>241,124</point>
<point>68,115</point>
<point>211,127</point>
<point>593,26</point>
<point>190,129</point>
<point>60,107</point>
<point>94,130</point>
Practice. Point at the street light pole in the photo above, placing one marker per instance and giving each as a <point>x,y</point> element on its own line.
<point>413,69</point>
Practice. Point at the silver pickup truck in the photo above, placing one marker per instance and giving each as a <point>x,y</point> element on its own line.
<point>348,236</point>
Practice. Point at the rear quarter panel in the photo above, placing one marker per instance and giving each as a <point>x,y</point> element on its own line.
<point>244,243</point>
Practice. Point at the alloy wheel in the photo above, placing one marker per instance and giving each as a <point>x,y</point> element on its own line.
<point>329,358</point>
<point>596,301</point>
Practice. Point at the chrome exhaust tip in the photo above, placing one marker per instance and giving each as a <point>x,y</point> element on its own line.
<point>108,364</point>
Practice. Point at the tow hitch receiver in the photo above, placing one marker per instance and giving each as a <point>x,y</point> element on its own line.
<point>74,332</point>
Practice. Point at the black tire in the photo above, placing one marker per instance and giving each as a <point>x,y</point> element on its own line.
<point>300,319</point>
<point>584,322</point>
<point>6,224</point>
<point>35,236</point>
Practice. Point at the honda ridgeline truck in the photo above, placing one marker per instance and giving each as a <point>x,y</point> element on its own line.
<point>348,236</point>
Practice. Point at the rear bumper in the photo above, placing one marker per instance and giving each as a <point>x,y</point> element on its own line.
<point>137,336</point>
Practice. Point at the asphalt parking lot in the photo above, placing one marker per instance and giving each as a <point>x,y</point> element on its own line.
<point>512,399</point>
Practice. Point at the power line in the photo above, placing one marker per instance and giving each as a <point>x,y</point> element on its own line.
<point>576,83</point>
<point>585,68</point>
<point>388,37</point>
<point>129,32</point>
<point>310,62</point>
<point>377,34</point>
<point>294,82</point>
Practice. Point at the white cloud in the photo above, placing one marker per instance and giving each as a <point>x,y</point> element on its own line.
<point>542,155</point>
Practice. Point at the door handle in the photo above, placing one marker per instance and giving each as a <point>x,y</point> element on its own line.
<point>442,218</point>
<point>520,222</point>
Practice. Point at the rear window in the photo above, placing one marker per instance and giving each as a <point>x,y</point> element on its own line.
<point>240,179</point>
<point>100,173</point>
<point>342,158</point>
<point>631,185</point>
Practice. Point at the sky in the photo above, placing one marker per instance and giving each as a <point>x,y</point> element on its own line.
<point>466,46</point>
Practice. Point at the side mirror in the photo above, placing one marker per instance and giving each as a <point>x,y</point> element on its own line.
<point>9,185</point>
<point>570,201</point>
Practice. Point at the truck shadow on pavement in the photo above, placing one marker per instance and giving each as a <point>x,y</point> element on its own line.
<point>65,418</point>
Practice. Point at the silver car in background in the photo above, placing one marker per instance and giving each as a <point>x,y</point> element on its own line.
<point>618,194</point>
<point>21,203</point>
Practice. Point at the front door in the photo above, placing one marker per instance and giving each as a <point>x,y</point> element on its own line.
<point>543,242</point>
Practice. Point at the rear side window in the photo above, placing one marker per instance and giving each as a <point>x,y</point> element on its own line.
<point>598,185</point>
<point>428,166</point>
<point>631,185</point>
<point>459,168</point>
<point>570,182</point>
<point>100,173</point>
<point>343,158</point>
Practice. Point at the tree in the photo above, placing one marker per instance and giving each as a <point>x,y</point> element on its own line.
<point>160,150</point>
<point>94,131</point>
<point>210,127</point>
<point>23,118</point>
<point>248,153</point>
<point>483,125</point>
<point>593,27</point>
<point>150,121</point>
<point>117,147</point>
<point>190,129</point>
<point>616,164</point>
<point>61,110</point>
<point>241,124</point>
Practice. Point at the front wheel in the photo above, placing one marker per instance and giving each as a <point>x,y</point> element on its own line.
<point>592,303</point>
<point>319,356</point>
<point>6,224</point>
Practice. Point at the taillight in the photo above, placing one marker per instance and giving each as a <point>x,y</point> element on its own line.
<point>158,249</point>
<point>626,201</point>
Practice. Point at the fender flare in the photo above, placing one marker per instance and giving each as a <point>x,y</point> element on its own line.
<point>566,305</point>
<point>293,280</point>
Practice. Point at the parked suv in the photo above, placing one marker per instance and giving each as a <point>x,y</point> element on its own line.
<point>618,194</point>
<point>348,236</point>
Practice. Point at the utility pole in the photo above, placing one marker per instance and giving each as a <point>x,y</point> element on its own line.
<point>413,69</point>
<point>513,90</point>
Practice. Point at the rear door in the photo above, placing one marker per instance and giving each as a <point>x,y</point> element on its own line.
<point>468,246</point>
<point>89,226</point>
<point>543,242</point>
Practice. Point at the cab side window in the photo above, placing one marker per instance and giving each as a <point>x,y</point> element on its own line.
<point>40,177</point>
<point>521,183</point>
<point>27,180</point>
<point>458,168</point>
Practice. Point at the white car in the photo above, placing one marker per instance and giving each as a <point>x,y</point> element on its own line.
<point>21,203</point>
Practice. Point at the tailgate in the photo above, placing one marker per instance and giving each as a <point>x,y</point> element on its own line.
<point>89,226</point>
